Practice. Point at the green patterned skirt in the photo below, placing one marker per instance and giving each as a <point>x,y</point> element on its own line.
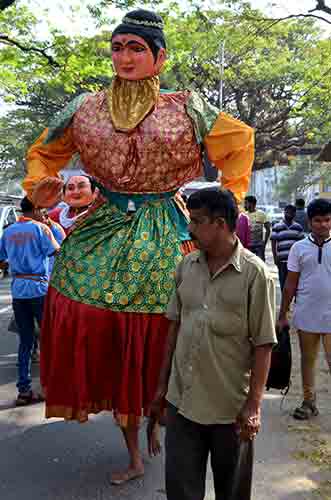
<point>123,262</point>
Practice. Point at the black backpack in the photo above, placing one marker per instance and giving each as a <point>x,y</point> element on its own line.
<point>281,363</point>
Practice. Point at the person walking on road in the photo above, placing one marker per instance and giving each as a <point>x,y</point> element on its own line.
<point>27,245</point>
<point>220,339</point>
<point>243,230</point>
<point>283,236</point>
<point>309,281</point>
<point>301,214</point>
<point>258,222</point>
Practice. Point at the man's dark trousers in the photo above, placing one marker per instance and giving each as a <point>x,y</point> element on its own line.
<point>282,273</point>
<point>259,250</point>
<point>188,446</point>
<point>26,311</point>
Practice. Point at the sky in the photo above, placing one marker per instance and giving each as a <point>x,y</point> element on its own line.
<point>78,22</point>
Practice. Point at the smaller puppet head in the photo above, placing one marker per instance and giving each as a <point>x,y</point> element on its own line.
<point>79,191</point>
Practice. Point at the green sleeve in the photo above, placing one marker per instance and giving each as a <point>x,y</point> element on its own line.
<point>202,113</point>
<point>63,118</point>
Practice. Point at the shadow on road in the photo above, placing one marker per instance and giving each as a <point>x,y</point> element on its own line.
<point>72,461</point>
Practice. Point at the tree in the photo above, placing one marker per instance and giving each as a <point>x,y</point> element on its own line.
<point>322,7</point>
<point>275,76</point>
<point>302,174</point>
<point>270,74</point>
<point>314,13</point>
<point>6,3</point>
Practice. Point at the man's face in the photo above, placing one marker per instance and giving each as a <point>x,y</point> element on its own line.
<point>40,215</point>
<point>321,225</point>
<point>133,59</point>
<point>78,192</point>
<point>203,228</point>
<point>289,214</point>
<point>249,206</point>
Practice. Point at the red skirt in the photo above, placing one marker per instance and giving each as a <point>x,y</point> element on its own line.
<point>94,359</point>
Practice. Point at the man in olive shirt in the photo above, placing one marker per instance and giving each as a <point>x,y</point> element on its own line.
<point>219,345</point>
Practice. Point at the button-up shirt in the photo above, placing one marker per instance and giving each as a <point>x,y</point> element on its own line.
<point>312,307</point>
<point>222,318</point>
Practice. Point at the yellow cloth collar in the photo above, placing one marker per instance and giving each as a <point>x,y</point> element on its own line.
<point>130,101</point>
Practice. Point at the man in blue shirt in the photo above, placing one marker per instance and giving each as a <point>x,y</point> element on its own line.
<point>59,236</point>
<point>27,246</point>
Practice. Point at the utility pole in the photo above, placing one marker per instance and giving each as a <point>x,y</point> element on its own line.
<point>222,63</point>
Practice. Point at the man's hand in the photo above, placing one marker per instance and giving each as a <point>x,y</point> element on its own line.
<point>154,445</point>
<point>47,192</point>
<point>249,420</point>
<point>281,324</point>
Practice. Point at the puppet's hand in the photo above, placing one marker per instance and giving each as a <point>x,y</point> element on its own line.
<point>47,192</point>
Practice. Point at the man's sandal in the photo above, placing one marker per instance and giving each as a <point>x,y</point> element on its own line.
<point>28,398</point>
<point>307,410</point>
<point>129,475</point>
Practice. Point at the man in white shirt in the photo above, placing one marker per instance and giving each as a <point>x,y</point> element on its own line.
<point>309,281</point>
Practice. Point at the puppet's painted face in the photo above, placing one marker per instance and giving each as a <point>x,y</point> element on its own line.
<point>78,192</point>
<point>133,59</point>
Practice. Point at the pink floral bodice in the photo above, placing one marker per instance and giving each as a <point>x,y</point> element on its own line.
<point>159,155</point>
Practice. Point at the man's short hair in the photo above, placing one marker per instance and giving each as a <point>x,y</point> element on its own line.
<point>318,207</point>
<point>300,203</point>
<point>218,202</point>
<point>290,207</point>
<point>92,181</point>
<point>251,199</point>
<point>26,205</point>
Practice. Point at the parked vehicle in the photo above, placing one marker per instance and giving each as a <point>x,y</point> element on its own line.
<point>274,215</point>
<point>8,215</point>
<point>193,186</point>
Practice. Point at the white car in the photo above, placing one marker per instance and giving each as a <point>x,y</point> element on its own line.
<point>8,215</point>
<point>274,214</point>
<point>193,186</point>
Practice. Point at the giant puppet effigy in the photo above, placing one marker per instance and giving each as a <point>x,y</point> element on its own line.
<point>105,329</point>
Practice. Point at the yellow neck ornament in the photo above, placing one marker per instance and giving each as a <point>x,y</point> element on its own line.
<point>130,101</point>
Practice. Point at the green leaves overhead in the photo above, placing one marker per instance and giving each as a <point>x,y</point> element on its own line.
<point>276,74</point>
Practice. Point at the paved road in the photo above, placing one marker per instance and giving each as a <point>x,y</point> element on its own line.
<point>53,460</point>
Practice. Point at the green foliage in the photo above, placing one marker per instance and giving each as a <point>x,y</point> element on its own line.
<point>64,60</point>
<point>275,72</point>
<point>302,174</point>
<point>276,75</point>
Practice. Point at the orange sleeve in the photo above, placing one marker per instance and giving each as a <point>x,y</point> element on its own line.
<point>46,160</point>
<point>230,146</point>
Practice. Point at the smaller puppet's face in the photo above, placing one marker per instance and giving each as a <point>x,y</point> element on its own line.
<point>78,192</point>
<point>133,59</point>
